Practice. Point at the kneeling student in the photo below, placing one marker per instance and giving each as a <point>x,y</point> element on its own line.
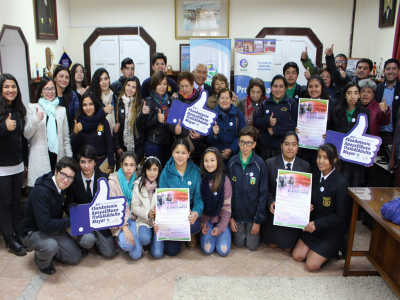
<point>43,228</point>
<point>249,178</point>
<point>82,191</point>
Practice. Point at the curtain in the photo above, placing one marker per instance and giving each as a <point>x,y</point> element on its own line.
<point>396,43</point>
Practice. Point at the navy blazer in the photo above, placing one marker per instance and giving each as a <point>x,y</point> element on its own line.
<point>396,101</point>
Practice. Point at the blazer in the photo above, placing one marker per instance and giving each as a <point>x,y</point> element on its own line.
<point>396,99</point>
<point>209,89</point>
<point>35,129</point>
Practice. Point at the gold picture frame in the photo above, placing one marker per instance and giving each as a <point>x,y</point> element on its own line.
<point>202,19</point>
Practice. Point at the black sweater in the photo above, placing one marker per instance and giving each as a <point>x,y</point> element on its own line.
<point>13,145</point>
<point>44,207</point>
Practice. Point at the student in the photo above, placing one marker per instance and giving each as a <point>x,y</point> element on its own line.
<point>291,73</point>
<point>91,128</point>
<point>121,184</point>
<point>127,70</point>
<point>158,63</point>
<point>156,113</point>
<point>219,81</point>
<point>130,135</point>
<point>216,191</point>
<point>44,228</point>
<point>230,121</point>
<point>249,178</point>
<point>323,236</point>
<point>334,91</point>
<point>276,116</point>
<point>188,95</point>
<point>79,82</point>
<point>82,191</point>
<point>278,236</point>
<point>255,96</point>
<point>144,206</point>
<point>47,128</point>
<point>100,86</point>
<point>67,97</point>
<point>180,172</point>
<point>13,162</point>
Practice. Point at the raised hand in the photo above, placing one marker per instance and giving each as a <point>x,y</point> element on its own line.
<point>342,73</point>
<point>272,120</point>
<point>178,128</point>
<point>304,54</point>
<point>10,124</point>
<point>307,73</point>
<point>215,129</point>
<point>160,116</point>
<point>383,106</point>
<point>77,127</point>
<point>145,108</point>
<point>39,115</point>
<point>329,51</point>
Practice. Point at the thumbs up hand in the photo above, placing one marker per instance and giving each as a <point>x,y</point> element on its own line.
<point>272,120</point>
<point>161,117</point>
<point>342,73</point>
<point>104,212</point>
<point>10,124</point>
<point>178,128</point>
<point>145,108</point>
<point>215,129</point>
<point>77,127</point>
<point>39,115</point>
<point>307,73</point>
<point>383,106</point>
<point>304,54</point>
<point>108,109</point>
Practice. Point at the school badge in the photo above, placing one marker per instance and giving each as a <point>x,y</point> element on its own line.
<point>326,201</point>
<point>234,178</point>
<point>252,180</point>
<point>100,128</point>
<point>283,109</point>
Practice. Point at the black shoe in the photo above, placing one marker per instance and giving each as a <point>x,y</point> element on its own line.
<point>145,248</point>
<point>85,252</point>
<point>15,247</point>
<point>50,270</point>
<point>18,238</point>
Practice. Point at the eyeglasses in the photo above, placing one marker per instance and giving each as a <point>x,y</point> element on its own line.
<point>343,62</point>
<point>65,176</point>
<point>49,89</point>
<point>248,144</point>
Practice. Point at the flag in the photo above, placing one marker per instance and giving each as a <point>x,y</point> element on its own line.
<point>65,60</point>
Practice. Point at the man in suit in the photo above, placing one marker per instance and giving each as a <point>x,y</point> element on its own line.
<point>389,91</point>
<point>200,77</point>
<point>388,13</point>
<point>82,191</point>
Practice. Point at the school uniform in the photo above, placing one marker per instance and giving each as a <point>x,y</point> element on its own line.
<point>284,237</point>
<point>331,207</point>
<point>78,193</point>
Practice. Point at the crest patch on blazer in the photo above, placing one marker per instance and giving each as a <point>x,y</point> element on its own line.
<point>326,201</point>
<point>283,109</point>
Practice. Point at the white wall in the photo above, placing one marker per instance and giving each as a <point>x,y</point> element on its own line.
<point>21,13</point>
<point>369,40</point>
<point>247,18</point>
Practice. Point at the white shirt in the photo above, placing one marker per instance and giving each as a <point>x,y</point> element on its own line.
<point>326,177</point>
<point>55,183</point>
<point>196,86</point>
<point>286,162</point>
<point>91,183</point>
<point>12,170</point>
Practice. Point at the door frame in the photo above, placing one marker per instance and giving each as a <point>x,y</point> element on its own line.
<point>136,30</point>
<point>292,31</point>
<point>28,62</point>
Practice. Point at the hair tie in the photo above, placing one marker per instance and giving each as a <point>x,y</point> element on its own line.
<point>154,158</point>
<point>209,149</point>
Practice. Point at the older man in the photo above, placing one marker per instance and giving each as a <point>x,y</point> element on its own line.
<point>200,77</point>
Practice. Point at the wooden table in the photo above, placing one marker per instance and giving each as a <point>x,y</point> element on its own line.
<point>384,248</point>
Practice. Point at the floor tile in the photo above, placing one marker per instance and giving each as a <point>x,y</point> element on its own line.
<point>283,270</point>
<point>128,296</point>
<point>21,266</point>
<point>359,263</point>
<point>362,241</point>
<point>235,270</point>
<point>157,289</point>
<point>237,253</point>
<point>105,288</point>
<point>113,264</point>
<point>183,269</point>
<point>277,254</point>
<point>135,275</point>
<point>55,286</point>
<point>75,295</point>
<point>210,264</point>
<point>333,269</point>
<point>5,261</point>
<point>11,287</point>
<point>85,272</point>
<point>163,264</point>
<point>258,263</point>
<point>187,254</point>
<point>298,265</point>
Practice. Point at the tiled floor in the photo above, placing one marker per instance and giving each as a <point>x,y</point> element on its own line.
<point>122,278</point>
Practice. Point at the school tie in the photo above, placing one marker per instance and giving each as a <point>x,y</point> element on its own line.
<point>89,191</point>
<point>199,89</point>
<point>288,166</point>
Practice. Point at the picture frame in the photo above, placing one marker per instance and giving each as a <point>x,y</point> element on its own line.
<point>387,13</point>
<point>201,19</point>
<point>352,65</point>
<point>46,19</point>
<point>184,57</point>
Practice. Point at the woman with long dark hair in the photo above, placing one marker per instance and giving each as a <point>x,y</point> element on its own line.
<point>78,79</point>
<point>47,127</point>
<point>13,162</point>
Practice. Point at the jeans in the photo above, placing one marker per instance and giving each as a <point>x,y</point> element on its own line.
<point>222,242</point>
<point>135,251</point>
<point>162,152</point>
<point>147,236</point>
<point>172,248</point>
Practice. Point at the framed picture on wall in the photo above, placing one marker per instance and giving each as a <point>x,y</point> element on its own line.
<point>352,65</point>
<point>184,57</point>
<point>201,19</point>
<point>387,12</point>
<point>46,19</point>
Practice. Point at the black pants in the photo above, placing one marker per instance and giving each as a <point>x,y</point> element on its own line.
<point>10,203</point>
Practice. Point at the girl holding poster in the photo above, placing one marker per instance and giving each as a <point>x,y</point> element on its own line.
<point>323,236</point>
<point>279,236</point>
<point>216,190</point>
<point>180,172</point>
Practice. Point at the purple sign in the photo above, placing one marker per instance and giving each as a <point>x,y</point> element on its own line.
<point>195,116</point>
<point>356,146</point>
<point>103,213</point>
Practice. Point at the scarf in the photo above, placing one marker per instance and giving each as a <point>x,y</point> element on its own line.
<point>90,123</point>
<point>51,127</point>
<point>107,99</point>
<point>248,110</point>
<point>129,141</point>
<point>162,102</point>
<point>150,187</point>
<point>212,201</point>
<point>126,187</point>
<point>188,97</point>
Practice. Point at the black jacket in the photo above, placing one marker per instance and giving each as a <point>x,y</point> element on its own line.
<point>198,144</point>
<point>396,101</point>
<point>156,132</point>
<point>299,92</point>
<point>209,89</point>
<point>13,144</point>
<point>335,73</point>
<point>119,136</point>
<point>249,189</point>
<point>44,207</point>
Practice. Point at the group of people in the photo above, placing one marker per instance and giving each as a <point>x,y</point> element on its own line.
<point>79,133</point>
